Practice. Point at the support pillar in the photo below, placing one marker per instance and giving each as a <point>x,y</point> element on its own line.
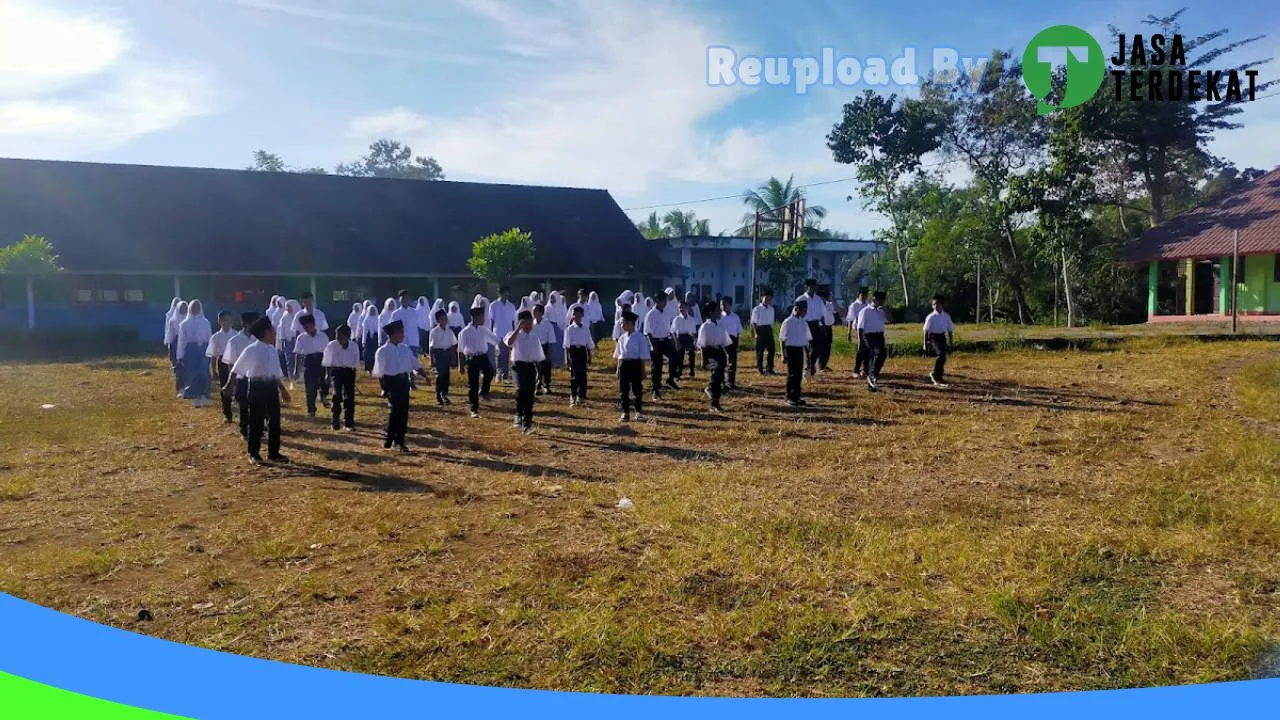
<point>1191,286</point>
<point>1224,286</point>
<point>1153,287</point>
<point>31,303</point>
<point>435,288</point>
<point>177,286</point>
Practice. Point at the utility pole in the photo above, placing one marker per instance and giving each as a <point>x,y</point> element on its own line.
<point>977,308</point>
<point>755,251</point>
<point>1235,284</point>
<point>790,213</point>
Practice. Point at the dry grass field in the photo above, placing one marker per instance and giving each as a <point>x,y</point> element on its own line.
<point>1054,520</point>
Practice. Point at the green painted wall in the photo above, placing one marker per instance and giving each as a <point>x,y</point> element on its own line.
<point>1224,286</point>
<point>1153,285</point>
<point>1259,292</point>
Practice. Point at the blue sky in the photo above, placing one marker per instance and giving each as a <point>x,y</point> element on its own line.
<point>599,93</point>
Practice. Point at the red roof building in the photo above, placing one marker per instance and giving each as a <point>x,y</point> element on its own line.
<point>1190,255</point>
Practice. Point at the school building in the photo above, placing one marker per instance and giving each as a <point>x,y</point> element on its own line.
<point>130,238</point>
<point>1189,257</point>
<point>718,266</point>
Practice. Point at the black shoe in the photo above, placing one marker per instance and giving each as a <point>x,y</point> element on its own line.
<point>484,397</point>
<point>311,413</point>
<point>475,414</point>
<point>447,401</point>
<point>227,421</point>
<point>657,397</point>
<point>255,460</point>
<point>527,429</point>
<point>672,384</point>
<point>278,458</point>
<point>386,445</point>
<point>336,427</point>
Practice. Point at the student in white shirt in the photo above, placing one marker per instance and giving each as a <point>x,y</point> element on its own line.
<point>309,307</point>
<point>274,309</point>
<point>235,347</point>
<point>407,314</point>
<point>796,337</point>
<point>193,339</point>
<point>618,328</point>
<point>310,346</point>
<point>393,365</point>
<point>827,336</point>
<point>441,343</point>
<point>694,309</point>
<point>354,321</point>
<point>425,319</point>
<point>369,329</point>
<point>762,317</point>
<point>501,319</point>
<point>685,328</point>
<point>258,367</point>
<point>218,368</point>
<point>286,337</point>
<point>814,313</point>
<point>855,309</point>
<point>938,334</point>
<point>594,314</point>
<point>713,341</point>
<point>384,318</point>
<point>341,359</point>
<point>545,331</point>
<point>657,327</point>
<point>578,345</point>
<point>526,354</point>
<point>732,324</point>
<point>631,350</point>
<point>175,350</point>
<point>557,316</point>
<point>474,345</point>
<point>456,321</point>
<point>170,334</point>
<point>871,325</point>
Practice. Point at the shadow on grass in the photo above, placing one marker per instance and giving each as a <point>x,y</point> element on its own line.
<point>674,453</point>
<point>367,482</point>
<point>506,467</point>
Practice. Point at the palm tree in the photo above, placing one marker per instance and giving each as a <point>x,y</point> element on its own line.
<point>775,194</point>
<point>702,227</point>
<point>679,223</point>
<point>651,228</point>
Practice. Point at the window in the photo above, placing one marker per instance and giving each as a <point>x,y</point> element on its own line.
<point>134,296</point>
<point>84,296</point>
<point>340,296</point>
<point>108,296</point>
<point>739,294</point>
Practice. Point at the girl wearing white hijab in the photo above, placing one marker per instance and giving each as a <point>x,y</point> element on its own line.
<point>285,337</point>
<point>384,319</point>
<point>594,314</point>
<point>425,321</point>
<point>456,321</point>
<point>369,331</point>
<point>193,337</point>
<point>556,315</point>
<point>273,309</point>
<point>436,307</point>
<point>171,323</point>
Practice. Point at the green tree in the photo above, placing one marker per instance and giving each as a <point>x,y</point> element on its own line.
<point>501,256</point>
<point>784,263</point>
<point>32,255</point>
<point>392,159</point>
<point>768,198</point>
<point>651,227</point>
<point>886,140</point>
<point>264,161</point>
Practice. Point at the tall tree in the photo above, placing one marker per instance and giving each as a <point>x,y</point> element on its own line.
<point>768,198</point>
<point>264,161</point>
<point>392,159</point>
<point>1165,143</point>
<point>651,227</point>
<point>886,140</point>
<point>32,255</point>
<point>500,257</point>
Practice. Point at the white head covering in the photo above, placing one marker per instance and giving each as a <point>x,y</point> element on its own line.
<point>524,305</point>
<point>625,298</point>
<point>437,306</point>
<point>169,338</point>
<point>195,326</point>
<point>480,301</point>
<point>455,315</point>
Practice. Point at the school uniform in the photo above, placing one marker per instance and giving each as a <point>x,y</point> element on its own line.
<point>545,331</point>
<point>441,343</point>
<point>258,366</point>
<point>408,316</point>
<point>455,320</point>
<point>556,316</point>
<point>369,331</point>
<point>936,327</point>
<point>193,340</point>
<point>732,324</point>
<point>685,328</point>
<point>235,348</point>
<point>474,343</point>
<point>342,364</point>
<point>500,317</point>
<point>827,336</point>
<point>285,338</point>
<point>217,347</point>
<point>658,328</point>
<point>175,350</point>
<point>631,350</point>
<point>762,321</point>
<point>593,315</point>
<point>871,322</point>
<point>393,364</point>
<point>796,337</point>
<point>578,345</point>
<point>526,356</point>
<point>815,311</point>
<point>860,359</point>
<point>714,342</point>
<point>322,323</point>
<point>310,348</point>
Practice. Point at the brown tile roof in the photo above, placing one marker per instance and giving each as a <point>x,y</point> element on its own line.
<point>1206,231</point>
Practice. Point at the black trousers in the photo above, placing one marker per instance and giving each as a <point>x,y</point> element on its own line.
<point>664,349</point>
<point>344,395</point>
<point>577,372</point>
<point>397,389</point>
<point>479,379</point>
<point>825,339</point>
<point>370,349</point>
<point>685,350</point>
<point>442,361</point>
<point>313,378</point>
<point>815,345</point>
<point>795,370</point>
<point>242,404</point>
<point>224,372</point>
<point>715,360</point>
<point>631,384</point>
<point>860,360</point>
<point>940,349</point>
<point>731,362</point>
<point>875,353</point>
<point>263,400</point>
<point>526,378</point>
<point>544,368</point>
<point>765,348</point>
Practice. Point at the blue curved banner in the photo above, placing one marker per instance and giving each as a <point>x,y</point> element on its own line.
<point>53,650</point>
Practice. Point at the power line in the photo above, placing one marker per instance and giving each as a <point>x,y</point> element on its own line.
<point>738,196</point>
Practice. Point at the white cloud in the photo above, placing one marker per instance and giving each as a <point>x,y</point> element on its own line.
<point>68,86</point>
<point>613,95</point>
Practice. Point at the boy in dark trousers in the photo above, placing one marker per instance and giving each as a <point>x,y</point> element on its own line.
<point>474,343</point>
<point>218,368</point>
<point>258,366</point>
<point>341,360</point>
<point>631,350</point>
<point>310,346</point>
<point>441,343</point>
<point>578,345</point>
<point>235,346</point>
<point>938,330</point>
<point>796,336</point>
<point>393,365</point>
<point>545,331</point>
<point>732,324</point>
<point>685,328</point>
